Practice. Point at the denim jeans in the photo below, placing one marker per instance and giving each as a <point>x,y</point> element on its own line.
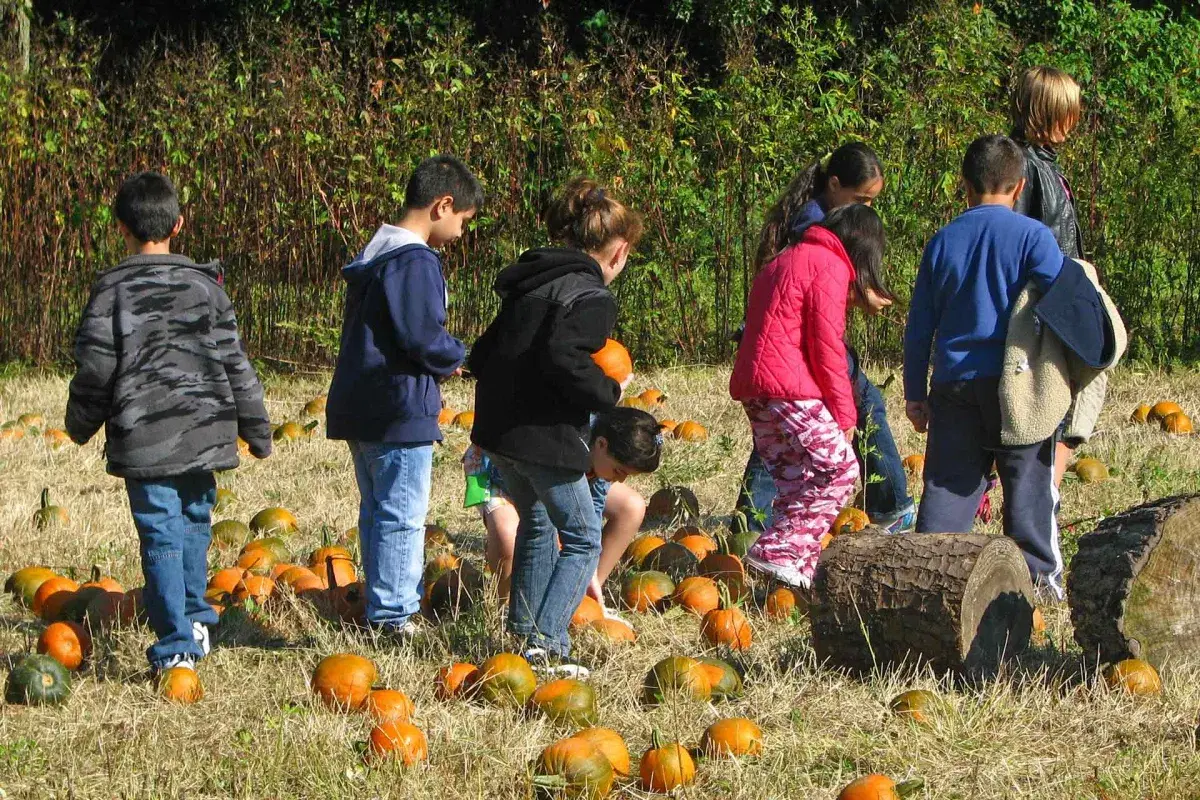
<point>393,486</point>
<point>173,517</point>
<point>884,497</point>
<point>555,507</point>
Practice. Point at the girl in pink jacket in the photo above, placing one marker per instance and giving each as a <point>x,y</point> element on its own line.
<point>790,375</point>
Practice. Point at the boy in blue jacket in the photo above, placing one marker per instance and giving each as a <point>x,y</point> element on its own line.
<point>970,277</point>
<point>384,400</point>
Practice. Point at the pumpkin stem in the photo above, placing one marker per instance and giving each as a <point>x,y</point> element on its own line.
<point>331,575</point>
<point>311,426</point>
<point>656,739</point>
<point>909,787</point>
<point>95,573</point>
<point>45,498</point>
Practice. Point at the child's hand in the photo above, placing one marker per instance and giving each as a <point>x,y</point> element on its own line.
<point>625,383</point>
<point>595,591</point>
<point>849,434</point>
<point>918,415</point>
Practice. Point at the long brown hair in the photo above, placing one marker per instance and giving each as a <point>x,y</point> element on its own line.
<point>586,216</point>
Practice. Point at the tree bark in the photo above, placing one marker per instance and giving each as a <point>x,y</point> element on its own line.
<point>1134,585</point>
<point>958,603</point>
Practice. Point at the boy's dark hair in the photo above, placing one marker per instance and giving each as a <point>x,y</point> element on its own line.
<point>443,176</point>
<point>860,230</point>
<point>148,206</point>
<point>853,164</point>
<point>634,437</point>
<point>993,164</point>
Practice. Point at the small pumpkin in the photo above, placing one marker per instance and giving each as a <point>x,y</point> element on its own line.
<point>914,464</point>
<point>24,583</point>
<point>732,738</point>
<point>783,602</point>
<point>653,397</point>
<point>231,533</point>
<point>727,627</point>
<point>104,610</point>
<point>385,705</point>
<point>1090,470</point>
<point>724,680</point>
<point>31,420</point>
<point>56,438</point>
<point>589,611</point>
<point>1177,422</point>
<point>915,705</point>
<point>347,603</point>
<point>646,591</point>
<point>454,592</point>
<point>574,768</point>
<point>668,425</point>
<point>258,588</point>
<point>180,685</point>
<point>50,516</point>
<point>68,643</point>
<point>316,406</point>
<point>641,547</point>
<point>610,743</point>
<point>274,521</point>
<point>690,431</point>
<point>615,630</point>
<point>38,680</point>
<point>697,594</point>
<point>699,546</point>
<point>398,739</point>
<point>226,499</point>
<point>665,766</point>
<point>1162,409</point>
<point>849,520</point>
<point>343,680</point>
<point>673,503</point>
<point>52,597</point>
<point>635,402</point>
<point>1134,676</point>
<point>566,701</point>
<point>1140,414</point>
<point>456,680</point>
<point>614,360</point>
<point>446,416</point>
<point>243,448</point>
<point>674,559</point>
<point>506,680</point>
<point>676,676</point>
<point>465,420</point>
<point>878,787</point>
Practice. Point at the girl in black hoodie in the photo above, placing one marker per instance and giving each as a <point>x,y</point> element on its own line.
<point>537,387</point>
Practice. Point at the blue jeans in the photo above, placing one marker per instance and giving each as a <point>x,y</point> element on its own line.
<point>885,497</point>
<point>597,486</point>
<point>555,507</point>
<point>173,517</point>
<point>393,486</point>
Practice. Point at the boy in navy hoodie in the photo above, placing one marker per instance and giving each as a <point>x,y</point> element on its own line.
<point>970,277</point>
<point>384,400</point>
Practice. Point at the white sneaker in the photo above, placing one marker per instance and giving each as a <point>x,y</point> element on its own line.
<point>200,634</point>
<point>550,666</point>
<point>610,614</point>
<point>792,577</point>
<point>179,660</point>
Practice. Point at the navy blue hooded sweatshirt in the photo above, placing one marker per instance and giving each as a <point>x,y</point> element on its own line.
<point>395,348</point>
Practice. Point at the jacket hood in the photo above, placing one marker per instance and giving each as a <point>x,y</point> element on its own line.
<point>212,268</point>
<point>542,265</point>
<point>387,240</point>
<point>815,234</point>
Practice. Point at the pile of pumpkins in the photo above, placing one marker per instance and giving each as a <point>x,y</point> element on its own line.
<point>1166,413</point>
<point>617,364</point>
<point>31,424</point>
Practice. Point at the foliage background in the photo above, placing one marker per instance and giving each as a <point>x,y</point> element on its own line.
<point>290,127</point>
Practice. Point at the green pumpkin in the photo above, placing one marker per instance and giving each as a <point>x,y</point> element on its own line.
<point>226,499</point>
<point>231,533</point>
<point>38,680</point>
<point>674,559</point>
<point>505,680</point>
<point>729,687</point>
<point>566,701</point>
<point>739,544</point>
<point>673,504</point>
<point>24,583</point>
<point>575,769</point>
<point>674,676</point>
<point>49,516</point>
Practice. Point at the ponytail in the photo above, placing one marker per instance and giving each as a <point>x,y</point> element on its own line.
<point>586,216</point>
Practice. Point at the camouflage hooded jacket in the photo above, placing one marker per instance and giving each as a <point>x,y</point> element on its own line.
<point>160,365</point>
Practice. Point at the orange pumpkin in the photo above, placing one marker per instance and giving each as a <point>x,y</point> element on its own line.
<point>731,738</point>
<point>440,565</point>
<point>611,745</point>
<point>56,438</point>
<point>614,360</point>
<point>726,627</point>
<point>668,425</point>
<point>1134,676</point>
<point>697,594</point>
<point>52,597</point>
<point>588,612</point>
<point>566,700</point>
<point>1162,409</point>
<point>634,402</point>
<point>334,565</point>
<point>915,464</point>
<point>258,588</point>
<point>274,521</point>
<point>506,680</point>
<point>915,705</point>
<point>455,680</point>
<point>877,787</point>
<point>223,582</point>
<point>573,768</point>
<point>782,603</point>
<point>849,520</point>
<point>726,569</point>
<point>180,685</point>
<point>294,574</point>
<point>1140,414</point>
<point>11,432</point>
<point>690,431</point>
<point>614,630</point>
<point>398,739</point>
<point>641,547</point>
<point>676,676</point>
<point>665,766</point>
<point>1177,422</point>
<point>344,680</point>
<point>646,591</point>
<point>699,545</point>
<point>652,397</point>
<point>68,643</point>
<point>385,705</point>
<point>465,420</point>
<point>446,416</point>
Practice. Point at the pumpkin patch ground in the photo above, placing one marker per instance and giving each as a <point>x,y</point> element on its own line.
<point>1050,727</point>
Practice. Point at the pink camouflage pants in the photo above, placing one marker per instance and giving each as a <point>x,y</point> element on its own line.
<point>815,473</point>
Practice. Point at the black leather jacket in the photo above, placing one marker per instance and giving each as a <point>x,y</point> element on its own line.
<point>1048,197</point>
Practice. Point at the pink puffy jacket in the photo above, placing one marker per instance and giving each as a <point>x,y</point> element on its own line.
<point>793,347</point>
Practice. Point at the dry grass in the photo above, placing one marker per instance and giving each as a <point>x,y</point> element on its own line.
<point>258,734</point>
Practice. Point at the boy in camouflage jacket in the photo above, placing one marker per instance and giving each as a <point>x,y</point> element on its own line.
<point>159,364</point>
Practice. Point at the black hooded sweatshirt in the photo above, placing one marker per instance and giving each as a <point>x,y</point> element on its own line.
<point>537,383</point>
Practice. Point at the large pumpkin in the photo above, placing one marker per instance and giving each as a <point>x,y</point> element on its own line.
<point>642,547</point>
<point>231,533</point>
<point>68,643</point>
<point>676,676</point>
<point>38,680</point>
<point>400,740</point>
<point>574,768</point>
<point>52,597</point>
<point>614,359</point>
<point>385,705</point>
<point>334,564</point>
<point>690,431</point>
<point>674,559</point>
<point>610,743</point>
<point>1133,676</point>
<point>180,685</point>
<point>1177,422</point>
<point>665,766</point>
<point>877,787</point>
<point>344,680</point>
<point>566,701</point>
<point>1162,409</point>
<point>506,680</point>
<point>456,680</point>
<point>614,630</point>
<point>727,627</point>
<point>24,583</point>
<point>673,504</point>
<point>725,681</point>
<point>274,520</point>
<point>697,594</point>
<point>589,611</point>
<point>647,591</point>
<point>731,738</point>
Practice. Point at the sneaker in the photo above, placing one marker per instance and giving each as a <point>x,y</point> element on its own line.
<point>399,634</point>
<point>610,614</point>
<point>179,660</point>
<point>551,666</point>
<point>776,572</point>
<point>903,521</point>
<point>200,634</point>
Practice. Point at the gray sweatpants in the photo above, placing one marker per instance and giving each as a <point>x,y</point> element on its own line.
<point>964,439</point>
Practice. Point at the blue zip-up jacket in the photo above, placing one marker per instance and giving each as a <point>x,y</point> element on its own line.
<point>395,349</point>
<point>969,279</point>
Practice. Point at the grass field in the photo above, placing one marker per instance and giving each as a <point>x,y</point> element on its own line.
<point>259,734</point>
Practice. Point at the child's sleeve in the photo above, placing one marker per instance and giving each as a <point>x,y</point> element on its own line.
<point>825,346</point>
<point>416,299</point>
<point>918,332</point>
<point>579,331</point>
<point>254,424</point>
<point>1043,258</point>
<point>89,403</point>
